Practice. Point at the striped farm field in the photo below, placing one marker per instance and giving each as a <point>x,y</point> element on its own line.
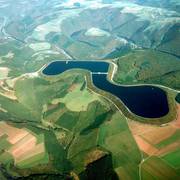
<point>38,149</point>
<point>38,159</point>
<point>159,134</point>
<point>168,149</point>
<point>175,138</point>
<point>158,169</point>
<point>14,134</point>
<point>145,146</point>
<point>22,146</point>
<point>173,158</point>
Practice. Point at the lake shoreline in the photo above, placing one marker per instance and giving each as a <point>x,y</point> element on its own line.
<point>110,81</point>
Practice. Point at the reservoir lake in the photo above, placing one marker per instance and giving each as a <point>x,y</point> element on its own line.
<point>146,100</point>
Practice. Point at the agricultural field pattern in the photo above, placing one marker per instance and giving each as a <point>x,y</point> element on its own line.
<point>90,89</point>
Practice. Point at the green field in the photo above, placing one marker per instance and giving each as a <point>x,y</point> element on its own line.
<point>115,136</point>
<point>77,100</point>
<point>173,139</point>
<point>173,158</point>
<point>39,159</point>
<point>155,168</point>
<point>6,158</point>
<point>4,143</point>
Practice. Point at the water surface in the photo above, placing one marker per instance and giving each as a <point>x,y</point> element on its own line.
<point>145,101</point>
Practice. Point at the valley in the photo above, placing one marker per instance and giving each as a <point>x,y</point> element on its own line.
<point>89,89</point>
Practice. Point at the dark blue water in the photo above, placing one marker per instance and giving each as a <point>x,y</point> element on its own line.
<point>145,101</point>
<point>58,67</point>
